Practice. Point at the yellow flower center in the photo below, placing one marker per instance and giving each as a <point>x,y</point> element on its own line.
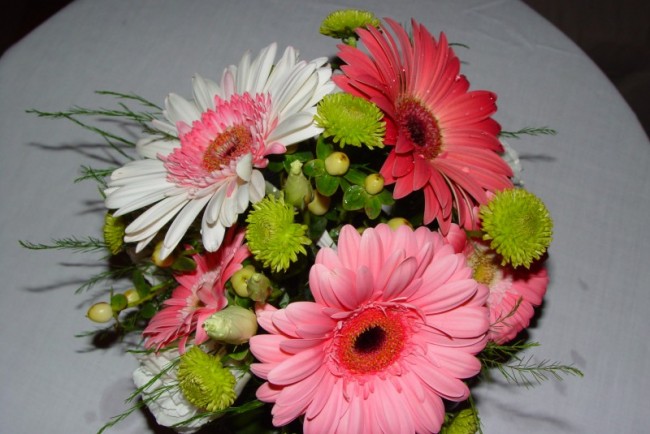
<point>417,123</point>
<point>228,145</point>
<point>484,267</point>
<point>370,341</point>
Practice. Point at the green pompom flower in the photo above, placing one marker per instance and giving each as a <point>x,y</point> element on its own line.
<point>114,233</point>
<point>273,237</point>
<point>351,120</point>
<point>342,24</point>
<point>205,383</point>
<point>464,422</point>
<point>518,226</point>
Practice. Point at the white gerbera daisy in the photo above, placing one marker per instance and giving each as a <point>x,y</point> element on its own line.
<point>224,136</point>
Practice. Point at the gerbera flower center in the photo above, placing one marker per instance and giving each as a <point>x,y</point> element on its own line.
<point>484,267</point>
<point>228,145</point>
<point>417,123</point>
<point>370,341</point>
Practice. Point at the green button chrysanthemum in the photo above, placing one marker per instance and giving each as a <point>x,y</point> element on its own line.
<point>465,422</point>
<point>351,120</point>
<point>272,235</point>
<point>114,233</point>
<point>341,24</point>
<point>204,382</point>
<point>518,226</point>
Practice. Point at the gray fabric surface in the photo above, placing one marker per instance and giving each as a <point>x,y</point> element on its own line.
<point>593,176</point>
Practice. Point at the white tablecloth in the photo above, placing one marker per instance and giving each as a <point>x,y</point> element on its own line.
<point>594,177</point>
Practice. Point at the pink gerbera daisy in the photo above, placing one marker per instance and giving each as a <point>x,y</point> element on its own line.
<point>514,293</point>
<point>199,294</point>
<point>445,142</point>
<point>395,326</point>
<point>215,146</point>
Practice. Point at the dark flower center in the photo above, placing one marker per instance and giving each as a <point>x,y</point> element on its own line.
<point>228,145</point>
<point>419,126</point>
<point>370,341</point>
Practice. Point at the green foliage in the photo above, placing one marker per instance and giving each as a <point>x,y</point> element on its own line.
<point>528,131</point>
<point>519,370</point>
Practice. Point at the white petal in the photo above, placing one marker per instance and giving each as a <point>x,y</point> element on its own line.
<point>228,215</point>
<point>155,224</point>
<point>295,128</point>
<point>180,110</point>
<point>134,193</point>
<point>261,68</point>
<point>213,210</point>
<point>297,91</point>
<point>212,235</point>
<point>242,198</point>
<point>204,91</point>
<point>162,211</point>
<point>256,186</point>
<point>282,69</point>
<point>228,87</point>
<point>165,126</point>
<point>150,147</point>
<point>157,177</point>
<point>243,72</point>
<point>182,221</point>
<point>147,200</point>
<point>245,167</point>
<point>143,243</point>
<point>136,168</point>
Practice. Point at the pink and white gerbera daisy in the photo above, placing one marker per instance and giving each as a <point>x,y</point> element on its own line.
<point>395,326</point>
<point>513,293</point>
<point>224,136</point>
<point>444,140</point>
<point>199,294</point>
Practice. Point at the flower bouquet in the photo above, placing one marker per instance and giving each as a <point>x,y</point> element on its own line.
<point>319,247</point>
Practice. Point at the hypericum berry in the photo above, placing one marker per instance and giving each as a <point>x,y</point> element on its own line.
<point>100,312</point>
<point>396,222</point>
<point>239,280</point>
<point>132,297</point>
<point>320,204</point>
<point>337,163</point>
<point>161,262</point>
<point>259,287</point>
<point>374,183</point>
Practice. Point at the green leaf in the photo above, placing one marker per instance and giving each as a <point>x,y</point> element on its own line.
<point>314,168</point>
<point>355,176</point>
<point>302,156</point>
<point>118,302</point>
<point>327,184</point>
<point>323,148</point>
<point>275,166</point>
<point>386,197</point>
<point>373,207</point>
<point>354,198</point>
<point>148,310</point>
<point>141,285</point>
<point>184,263</point>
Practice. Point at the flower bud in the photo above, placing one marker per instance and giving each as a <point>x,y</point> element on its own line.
<point>320,204</point>
<point>100,312</point>
<point>232,325</point>
<point>239,280</point>
<point>297,188</point>
<point>259,287</point>
<point>374,183</point>
<point>158,260</point>
<point>337,163</point>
